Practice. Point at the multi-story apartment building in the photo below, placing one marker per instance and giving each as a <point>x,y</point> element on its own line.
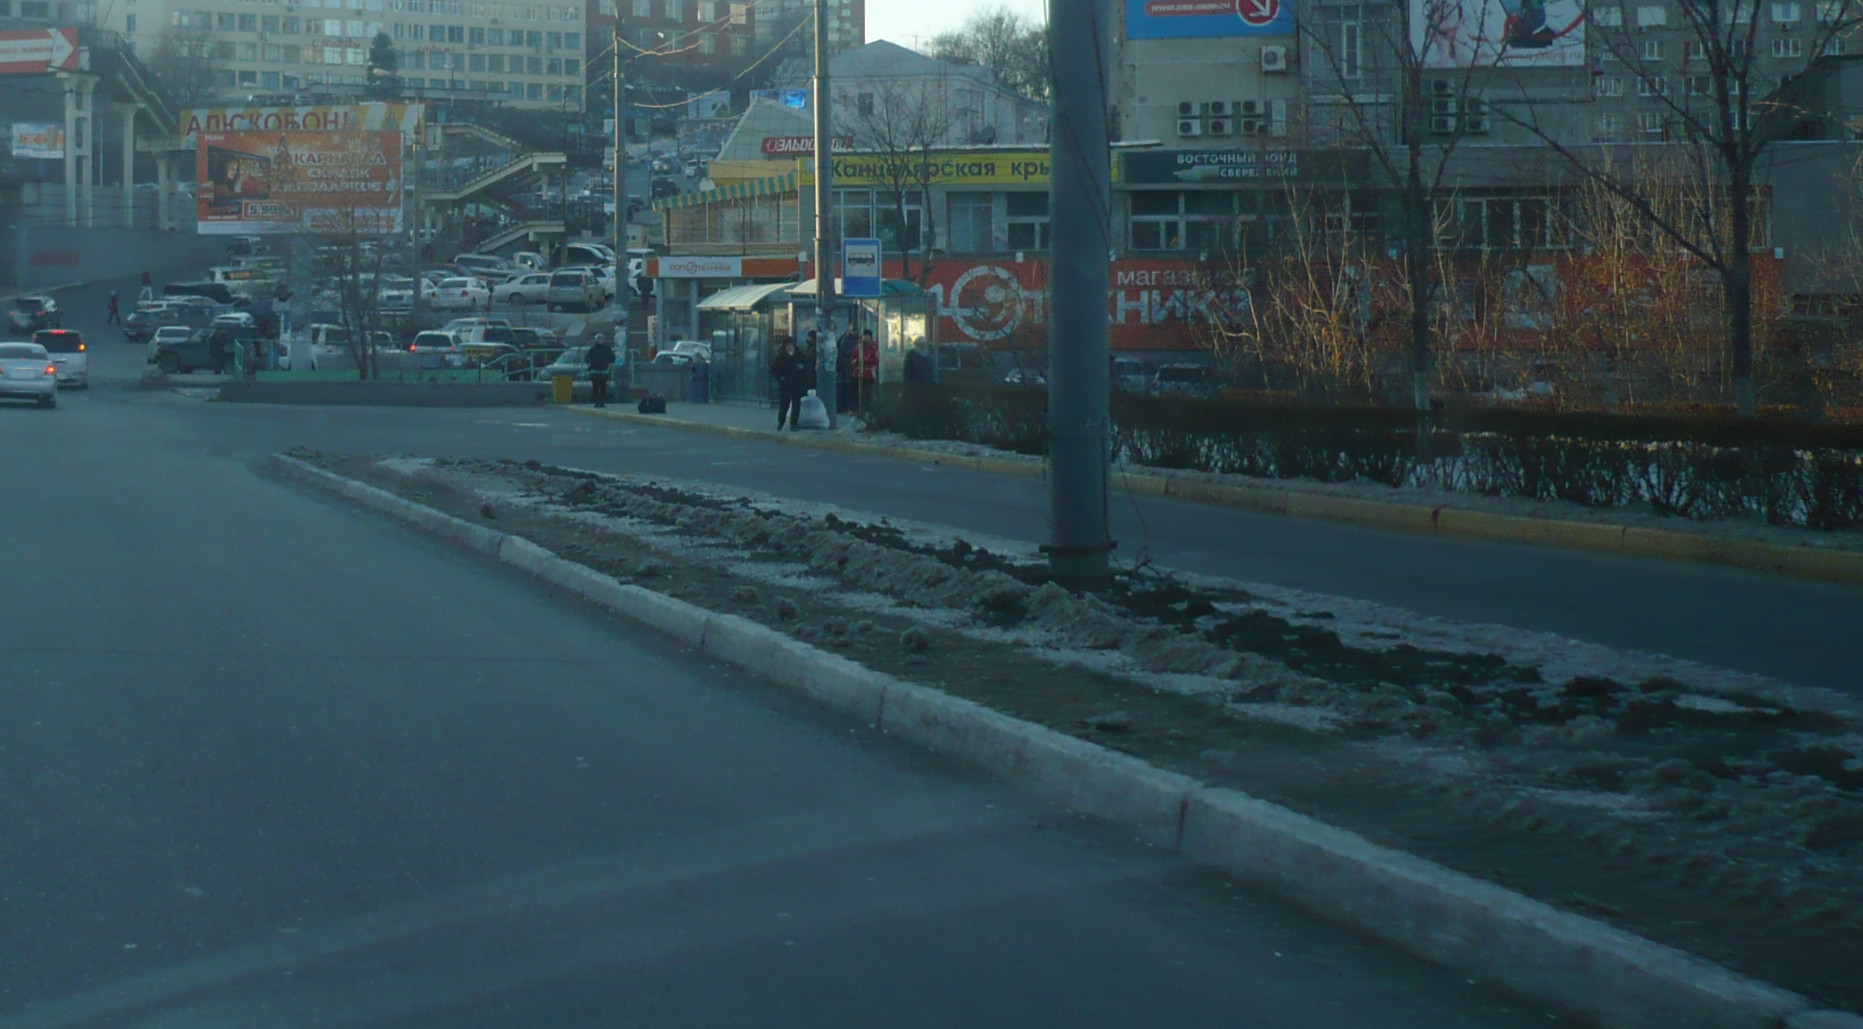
<point>528,54</point>
<point>693,45</point>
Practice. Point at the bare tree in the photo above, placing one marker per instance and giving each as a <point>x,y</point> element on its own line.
<point>1382,72</point>
<point>183,61</point>
<point>1716,120</point>
<point>1009,44</point>
<point>896,127</point>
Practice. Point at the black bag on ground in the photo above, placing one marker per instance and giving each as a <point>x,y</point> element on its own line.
<point>652,405</point>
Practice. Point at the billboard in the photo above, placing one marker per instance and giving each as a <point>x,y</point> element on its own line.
<point>1498,33</point>
<point>44,140</point>
<point>1208,19</point>
<point>370,117</point>
<point>336,183</point>
<point>975,168</point>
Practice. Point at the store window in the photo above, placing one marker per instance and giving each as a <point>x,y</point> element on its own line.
<point>1502,223</point>
<point>1027,221</point>
<point>970,221</point>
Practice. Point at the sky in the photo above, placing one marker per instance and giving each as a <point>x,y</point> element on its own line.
<point>911,22</point>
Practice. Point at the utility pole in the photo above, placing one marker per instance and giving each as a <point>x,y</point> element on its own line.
<point>623,288</point>
<point>1080,241</point>
<point>824,223</point>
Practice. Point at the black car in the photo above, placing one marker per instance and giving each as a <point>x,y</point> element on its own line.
<point>33,314</point>
<point>140,326</point>
<point>664,187</point>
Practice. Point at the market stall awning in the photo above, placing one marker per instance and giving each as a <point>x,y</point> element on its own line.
<point>776,185</point>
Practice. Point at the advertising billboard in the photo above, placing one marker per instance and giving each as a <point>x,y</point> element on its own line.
<point>336,183</point>
<point>1242,165</point>
<point>1498,33</point>
<point>43,140</point>
<point>1208,19</point>
<point>368,117</point>
<point>993,168</point>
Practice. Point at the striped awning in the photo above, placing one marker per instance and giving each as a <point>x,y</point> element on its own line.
<point>776,185</point>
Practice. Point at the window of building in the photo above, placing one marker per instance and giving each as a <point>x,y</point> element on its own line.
<point>293,54</point>
<point>475,36</point>
<point>1652,16</point>
<point>249,78</point>
<point>1650,121</point>
<point>129,20</point>
<point>455,33</point>
<point>1608,85</point>
<point>1788,48</point>
<point>676,10</point>
<point>533,65</point>
<point>293,26</point>
<point>1200,220</point>
<point>572,66</point>
<point>1701,85</point>
<point>273,53</point>
<point>1652,49</point>
<point>226,22</point>
<point>1832,47</point>
<point>415,61</point>
<point>1785,14</point>
<point>969,223</point>
<point>1610,123</point>
<point>533,91</point>
<point>223,51</point>
<point>708,44</point>
<point>1502,223</point>
<point>1607,17</point>
<point>495,37</point>
<point>534,40</point>
<point>248,51</point>
<point>1740,12</point>
<point>863,103</point>
<point>495,63</point>
<point>248,22</point>
<point>740,14</point>
<point>1830,11</point>
<point>1652,86</point>
<point>737,46</point>
<point>643,8</point>
<point>475,62</point>
<point>572,40</point>
<point>268,23</point>
<point>706,10</point>
<point>356,55</point>
<point>553,67</point>
<point>352,29</point>
<point>268,80</point>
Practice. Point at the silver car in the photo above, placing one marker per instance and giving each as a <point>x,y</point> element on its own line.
<point>27,373</point>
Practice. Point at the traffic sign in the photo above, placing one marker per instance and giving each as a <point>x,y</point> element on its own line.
<point>860,268</point>
<point>36,51</point>
<point>1258,13</point>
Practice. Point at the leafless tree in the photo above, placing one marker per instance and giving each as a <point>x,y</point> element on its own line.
<point>896,127</point>
<point>183,61</point>
<point>1717,120</point>
<point>1009,44</point>
<point>1376,79</point>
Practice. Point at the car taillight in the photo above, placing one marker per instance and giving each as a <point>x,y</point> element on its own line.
<point>80,348</point>
<point>51,369</point>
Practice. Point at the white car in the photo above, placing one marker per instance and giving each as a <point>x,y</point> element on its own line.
<point>460,293</point>
<point>235,320</point>
<point>525,289</point>
<point>575,287</point>
<point>27,372</point>
<point>69,355</point>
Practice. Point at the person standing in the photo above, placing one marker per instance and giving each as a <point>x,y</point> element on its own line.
<point>601,359</point>
<point>847,385</point>
<point>791,372</point>
<point>866,369</point>
<point>919,369</point>
<point>116,311</point>
<point>148,287</point>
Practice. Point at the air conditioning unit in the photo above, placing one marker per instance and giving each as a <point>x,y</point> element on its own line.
<point>1219,127</point>
<point>1474,105</point>
<point>1444,125</point>
<point>1253,126</point>
<point>1273,58</point>
<point>1250,108</point>
<point>1219,109</point>
<point>1186,109</point>
<point>1190,126</point>
<point>1442,87</point>
<point>1477,125</point>
<point>1441,106</point>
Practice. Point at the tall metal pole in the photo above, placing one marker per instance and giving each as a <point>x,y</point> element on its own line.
<point>824,223</point>
<point>623,287</point>
<point>1079,159</point>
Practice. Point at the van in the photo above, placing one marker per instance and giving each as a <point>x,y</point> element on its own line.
<point>69,355</point>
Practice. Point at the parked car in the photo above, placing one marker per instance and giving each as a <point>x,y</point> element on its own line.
<point>578,287</point>
<point>460,292</point>
<point>143,323</point>
<point>485,355</point>
<point>69,354</point>
<point>475,330</point>
<point>169,335</point>
<point>396,292</point>
<point>30,314</point>
<point>690,349</point>
<point>189,350</point>
<point>434,341</point>
<point>27,373</point>
<point>664,187</point>
<point>1128,375</point>
<point>235,320</point>
<point>1182,379</point>
<point>573,362</point>
<point>525,289</point>
<point>476,263</point>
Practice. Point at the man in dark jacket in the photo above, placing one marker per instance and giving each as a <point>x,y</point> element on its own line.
<point>791,372</point>
<point>600,358</point>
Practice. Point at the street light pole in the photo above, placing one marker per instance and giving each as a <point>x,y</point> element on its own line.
<point>1080,240</point>
<point>824,223</point>
<point>623,287</point>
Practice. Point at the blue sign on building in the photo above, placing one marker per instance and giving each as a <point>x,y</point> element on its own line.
<point>1207,19</point>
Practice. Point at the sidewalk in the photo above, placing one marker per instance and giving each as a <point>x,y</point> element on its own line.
<point>1463,517</point>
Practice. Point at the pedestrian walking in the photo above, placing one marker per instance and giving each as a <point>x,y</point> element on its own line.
<point>919,369</point>
<point>866,369</point>
<point>791,372</point>
<point>148,287</point>
<point>116,311</point>
<point>601,358</point>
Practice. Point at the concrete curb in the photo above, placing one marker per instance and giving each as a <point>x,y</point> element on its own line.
<point>1753,555</point>
<point>1449,918</point>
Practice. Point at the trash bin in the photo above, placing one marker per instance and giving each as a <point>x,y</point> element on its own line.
<point>562,388</point>
<point>701,382</point>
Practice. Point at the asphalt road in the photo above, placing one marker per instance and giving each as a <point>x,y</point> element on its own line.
<point>1802,632</point>
<point>272,761</point>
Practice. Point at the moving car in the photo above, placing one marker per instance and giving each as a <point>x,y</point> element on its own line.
<point>461,292</point>
<point>30,314</point>
<point>1182,380</point>
<point>27,373</point>
<point>68,353</point>
<point>525,289</point>
<point>575,287</point>
<point>664,187</point>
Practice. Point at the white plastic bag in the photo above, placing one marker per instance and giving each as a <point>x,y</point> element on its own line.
<point>814,415</point>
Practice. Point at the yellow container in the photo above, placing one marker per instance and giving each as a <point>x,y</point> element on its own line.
<point>562,388</point>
